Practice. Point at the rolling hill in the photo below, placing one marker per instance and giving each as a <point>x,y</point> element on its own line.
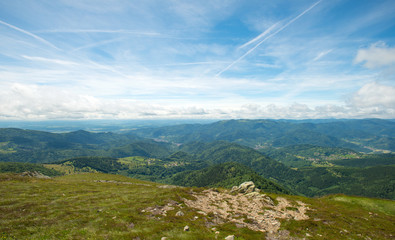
<point>364,135</point>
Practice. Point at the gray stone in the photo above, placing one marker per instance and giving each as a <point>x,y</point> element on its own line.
<point>230,237</point>
<point>179,214</point>
<point>186,228</point>
<point>131,225</point>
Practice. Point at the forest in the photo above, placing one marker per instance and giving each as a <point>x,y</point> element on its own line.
<point>352,157</point>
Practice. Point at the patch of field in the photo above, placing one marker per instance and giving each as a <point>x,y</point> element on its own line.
<point>69,169</point>
<point>4,149</point>
<point>138,161</point>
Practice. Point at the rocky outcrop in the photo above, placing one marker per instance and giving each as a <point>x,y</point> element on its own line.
<point>34,174</point>
<point>247,208</point>
<point>246,187</point>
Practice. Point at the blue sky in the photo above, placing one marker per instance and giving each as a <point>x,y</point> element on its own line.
<point>126,59</point>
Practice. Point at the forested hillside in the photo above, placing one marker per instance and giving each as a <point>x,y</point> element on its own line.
<point>305,158</point>
<point>360,135</point>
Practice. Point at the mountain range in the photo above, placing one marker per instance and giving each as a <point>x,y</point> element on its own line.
<point>311,158</point>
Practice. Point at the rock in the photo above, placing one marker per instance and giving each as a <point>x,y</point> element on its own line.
<point>131,225</point>
<point>34,174</point>
<point>163,238</point>
<point>246,187</point>
<point>202,213</point>
<point>234,189</point>
<point>179,214</point>
<point>186,228</point>
<point>230,237</point>
<point>253,195</point>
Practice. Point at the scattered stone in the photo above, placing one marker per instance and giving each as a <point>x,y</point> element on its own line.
<point>116,182</point>
<point>114,217</point>
<point>167,186</point>
<point>163,238</point>
<point>99,210</point>
<point>230,237</point>
<point>34,174</point>
<point>213,229</point>
<point>202,213</point>
<point>260,211</point>
<point>179,214</point>
<point>186,228</point>
<point>195,218</point>
<point>131,225</point>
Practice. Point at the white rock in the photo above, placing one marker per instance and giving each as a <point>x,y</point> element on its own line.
<point>230,237</point>
<point>179,214</point>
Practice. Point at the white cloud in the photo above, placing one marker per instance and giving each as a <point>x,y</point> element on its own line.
<point>377,55</point>
<point>374,95</point>
<point>24,101</point>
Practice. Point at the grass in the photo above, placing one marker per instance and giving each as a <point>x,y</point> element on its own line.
<point>331,218</point>
<point>78,207</point>
<point>370,204</point>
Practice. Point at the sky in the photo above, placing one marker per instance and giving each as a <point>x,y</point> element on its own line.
<point>208,59</point>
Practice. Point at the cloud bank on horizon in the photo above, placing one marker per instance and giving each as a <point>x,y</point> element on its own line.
<point>119,59</point>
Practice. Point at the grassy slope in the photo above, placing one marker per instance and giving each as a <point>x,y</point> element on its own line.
<point>77,207</point>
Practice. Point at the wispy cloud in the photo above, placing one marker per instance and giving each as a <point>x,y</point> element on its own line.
<point>322,54</point>
<point>49,60</point>
<point>160,59</point>
<point>29,34</point>
<point>266,38</point>
<point>120,31</point>
<point>96,44</point>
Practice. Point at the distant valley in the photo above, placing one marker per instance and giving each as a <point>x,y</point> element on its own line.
<point>307,158</point>
<point>311,158</point>
<point>307,180</point>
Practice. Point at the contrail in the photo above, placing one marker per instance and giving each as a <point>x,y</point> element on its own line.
<point>266,32</point>
<point>30,34</point>
<point>266,38</point>
<point>122,31</point>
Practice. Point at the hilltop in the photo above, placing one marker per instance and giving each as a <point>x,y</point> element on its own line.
<point>104,206</point>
